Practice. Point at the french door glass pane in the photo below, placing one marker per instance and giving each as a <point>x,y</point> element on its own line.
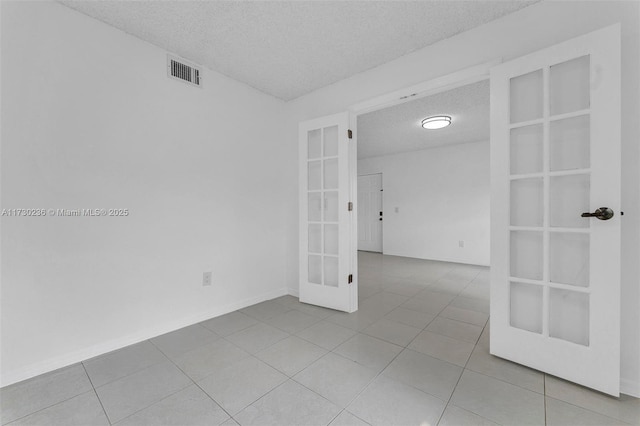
<point>331,141</point>
<point>526,306</point>
<point>331,174</point>
<point>569,143</point>
<point>331,206</point>
<point>526,149</point>
<point>526,254</point>
<point>569,86</point>
<point>331,239</point>
<point>526,202</point>
<point>526,97</point>
<point>315,238</point>
<point>315,206</point>
<point>569,258</point>
<point>569,316</point>
<point>315,269</point>
<point>315,175</point>
<point>568,199</point>
<point>314,144</point>
<point>331,271</point>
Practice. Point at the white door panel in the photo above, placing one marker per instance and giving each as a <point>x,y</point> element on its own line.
<point>555,153</point>
<point>370,217</point>
<point>325,220</point>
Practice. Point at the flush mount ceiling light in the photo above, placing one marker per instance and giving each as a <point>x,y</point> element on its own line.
<point>436,122</point>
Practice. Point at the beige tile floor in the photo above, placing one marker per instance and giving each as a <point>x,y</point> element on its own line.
<point>415,353</point>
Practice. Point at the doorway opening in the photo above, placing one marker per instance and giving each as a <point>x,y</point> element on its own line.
<point>435,203</point>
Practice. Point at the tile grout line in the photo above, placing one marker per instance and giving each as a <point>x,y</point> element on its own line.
<point>192,381</point>
<point>460,378</point>
<point>96,393</point>
<point>544,395</point>
<point>48,406</point>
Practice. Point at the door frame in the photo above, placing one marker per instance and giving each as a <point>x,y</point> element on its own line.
<point>452,80</point>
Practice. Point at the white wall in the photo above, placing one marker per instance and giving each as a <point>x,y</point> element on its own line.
<point>442,195</point>
<point>535,27</point>
<point>90,120</point>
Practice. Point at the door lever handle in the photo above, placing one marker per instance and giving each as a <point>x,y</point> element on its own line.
<point>603,213</point>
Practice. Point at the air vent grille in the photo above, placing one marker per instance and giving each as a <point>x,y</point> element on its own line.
<point>180,70</point>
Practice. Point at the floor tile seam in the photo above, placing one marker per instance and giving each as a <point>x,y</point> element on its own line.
<point>298,331</point>
<point>380,373</point>
<point>166,358</point>
<point>485,321</point>
<point>505,382</point>
<point>466,367</point>
<point>250,403</point>
<point>194,383</point>
<point>235,331</point>
<point>266,347</point>
<point>458,382</point>
<point>96,393</point>
<point>232,362</point>
<point>282,384</point>
<point>153,403</point>
<point>544,397</point>
<point>262,311</point>
<point>466,409</point>
<point>584,408</point>
<point>371,380</point>
<point>49,406</point>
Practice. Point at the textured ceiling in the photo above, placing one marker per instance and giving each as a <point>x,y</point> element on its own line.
<point>398,128</point>
<point>290,48</point>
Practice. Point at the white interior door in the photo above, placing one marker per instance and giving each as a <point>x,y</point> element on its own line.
<point>326,213</point>
<point>370,212</point>
<point>555,153</point>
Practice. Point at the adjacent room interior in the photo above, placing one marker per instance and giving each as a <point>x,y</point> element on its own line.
<point>181,212</point>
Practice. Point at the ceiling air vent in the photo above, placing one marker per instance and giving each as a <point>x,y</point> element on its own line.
<point>181,70</point>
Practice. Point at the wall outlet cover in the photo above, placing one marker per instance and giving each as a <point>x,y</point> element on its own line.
<point>206,278</point>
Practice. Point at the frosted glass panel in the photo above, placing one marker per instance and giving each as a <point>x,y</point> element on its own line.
<point>526,254</point>
<point>314,144</point>
<point>569,258</point>
<point>569,86</point>
<point>315,238</point>
<point>526,307</point>
<point>315,179</point>
<point>331,141</point>
<point>315,269</point>
<point>569,316</point>
<point>331,174</point>
<point>568,199</point>
<point>331,206</point>
<point>526,202</point>
<point>569,143</point>
<point>315,207</point>
<point>526,149</point>
<point>331,271</point>
<point>331,239</point>
<point>526,97</point>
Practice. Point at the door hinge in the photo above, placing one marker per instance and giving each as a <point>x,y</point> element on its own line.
<point>350,206</point>
<point>350,134</point>
<point>350,278</point>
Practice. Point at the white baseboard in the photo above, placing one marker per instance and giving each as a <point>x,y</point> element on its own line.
<point>46,366</point>
<point>630,387</point>
<point>294,292</point>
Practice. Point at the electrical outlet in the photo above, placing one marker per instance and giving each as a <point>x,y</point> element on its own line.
<point>206,278</point>
<point>461,243</point>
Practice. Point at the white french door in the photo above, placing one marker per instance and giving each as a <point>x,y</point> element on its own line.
<point>370,212</point>
<point>555,154</point>
<point>326,213</point>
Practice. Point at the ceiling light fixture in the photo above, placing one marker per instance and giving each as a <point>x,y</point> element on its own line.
<point>436,122</point>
